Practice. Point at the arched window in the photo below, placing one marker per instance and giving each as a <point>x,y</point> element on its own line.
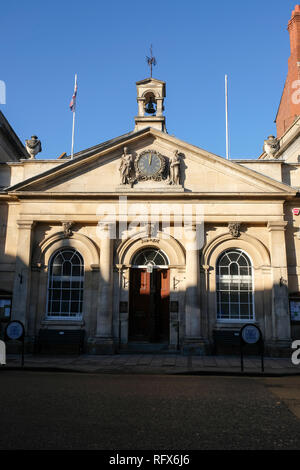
<point>65,285</point>
<point>150,256</point>
<point>234,286</point>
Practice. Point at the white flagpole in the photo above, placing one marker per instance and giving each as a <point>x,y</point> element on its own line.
<point>73,128</point>
<point>226,117</point>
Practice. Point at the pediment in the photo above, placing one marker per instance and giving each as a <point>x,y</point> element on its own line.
<point>98,171</point>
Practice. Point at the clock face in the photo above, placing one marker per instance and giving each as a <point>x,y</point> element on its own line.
<point>149,163</point>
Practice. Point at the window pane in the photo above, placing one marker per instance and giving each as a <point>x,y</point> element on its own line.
<point>233,255</point>
<point>74,307</point>
<point>56,270</point>
<point>244,297</point>
<point>244,271</point>
<point>242,261</point>
<point>67,268</point>
<point>245,286</point>
<point>65,295</point>
<point>234,285</point>
<point>245,310</point>
<point>234,269</point>
<point>224,297</point>
<point>234,297</point>
<point>65,285</point>
<point>55,307</point>
<point>58,259</point>
<point>234,310</point>
<point>56,294</point>
<point>65,307</point>
<point>224,270</point>
<point>223,285</point>
<point>224,310</point>
<point>68,255</point>
<point>76,271</point>
<point>75,294</point>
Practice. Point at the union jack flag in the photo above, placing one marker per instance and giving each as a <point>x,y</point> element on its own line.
<point>73,100</point>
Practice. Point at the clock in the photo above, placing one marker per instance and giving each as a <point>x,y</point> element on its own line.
<point>150,165</point>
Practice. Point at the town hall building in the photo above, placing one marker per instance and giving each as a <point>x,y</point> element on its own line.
<point>149,243</point>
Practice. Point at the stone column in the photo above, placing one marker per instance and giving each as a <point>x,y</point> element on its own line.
<point>104,315</point>
<point>21,290</point>
<point>193,339</point>
<point>141,106</point>
<point>159,106</point>
<point>280,300</point>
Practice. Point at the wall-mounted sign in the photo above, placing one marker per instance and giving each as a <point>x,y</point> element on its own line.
<point>296,211</point>
<point>295,309</point>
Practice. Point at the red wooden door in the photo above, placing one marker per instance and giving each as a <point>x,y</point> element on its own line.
<point>149,305</point>
<point>139,317</point>
<point>164,304</point>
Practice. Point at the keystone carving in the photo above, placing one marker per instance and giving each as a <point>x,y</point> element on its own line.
<point>235,229</point>
<point>67,228</point>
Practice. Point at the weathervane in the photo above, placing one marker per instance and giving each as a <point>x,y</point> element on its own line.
<point>151,60</point>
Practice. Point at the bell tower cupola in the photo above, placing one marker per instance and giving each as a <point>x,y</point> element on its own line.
<point>150,99</point>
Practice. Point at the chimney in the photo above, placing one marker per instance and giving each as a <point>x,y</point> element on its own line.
<point>289,107</point>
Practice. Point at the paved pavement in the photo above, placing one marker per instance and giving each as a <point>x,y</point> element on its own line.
<point>155,364</point>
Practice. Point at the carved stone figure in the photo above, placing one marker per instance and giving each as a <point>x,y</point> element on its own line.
<point>175,168</point>
<point>126,167</point>
<point>271,146</point>
<point>67,228</point>
<point>234,229</point>
<point>33,146</point>
<point>151,230</point>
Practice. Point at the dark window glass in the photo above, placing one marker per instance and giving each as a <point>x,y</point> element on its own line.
<point>234,286</point>
<point>65,286</point>
<point>150,256</point>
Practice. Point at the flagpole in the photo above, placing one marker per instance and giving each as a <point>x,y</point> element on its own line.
<point>226,117</point>
<point>73,128</point>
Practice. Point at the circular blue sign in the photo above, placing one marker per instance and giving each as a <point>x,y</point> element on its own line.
<point>15,330</point>
<point>250,334</point>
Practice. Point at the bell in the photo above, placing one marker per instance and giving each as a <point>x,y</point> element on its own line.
<point>149,107</point>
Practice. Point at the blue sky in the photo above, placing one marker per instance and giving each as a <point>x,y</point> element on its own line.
<point>195,43</point>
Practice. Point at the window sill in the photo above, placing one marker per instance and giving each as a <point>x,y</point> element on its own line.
<point>63,321</point>
<point>235,321</point>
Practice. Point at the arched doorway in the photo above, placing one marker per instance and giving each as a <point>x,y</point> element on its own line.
<point>149,297</point>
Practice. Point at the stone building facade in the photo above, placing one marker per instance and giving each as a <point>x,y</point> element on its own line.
<point>147,242</point>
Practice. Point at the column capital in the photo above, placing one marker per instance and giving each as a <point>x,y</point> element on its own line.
<point>277,225</point>
<point>191,225</point>
<point>25,224</point>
